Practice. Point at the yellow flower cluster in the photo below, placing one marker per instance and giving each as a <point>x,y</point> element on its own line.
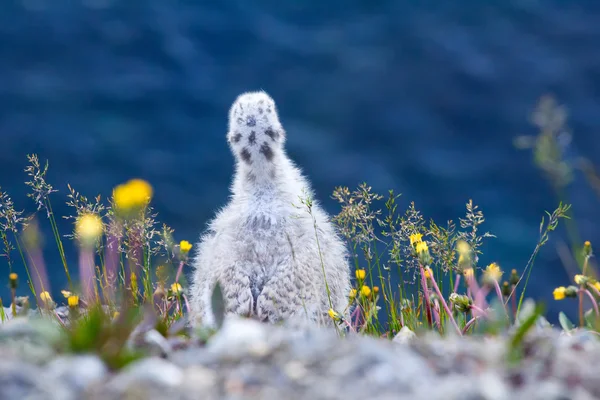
<point>45,297</point>
<point>492,274</point>
<point>176,289</point>
<point>88,228</point>
<point>561,292</point>
<point>73,301</point>
<point>185,246</point>
<point>132,195</point>
<point>421,248</point>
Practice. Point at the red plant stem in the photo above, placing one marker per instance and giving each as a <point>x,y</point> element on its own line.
<point>468,324</point>
<point>426,296</point>
<point>446,308</point>
<point>39,275</point>
<point>594,304</point>
<point>87,274</point>
<point>581,290</point>
<point>187,304</point>
<point>500,297</point>
<point>179,271</point>
<point>436,315</point>
<point>456,283</point>
<point>111,262</point>
<point>478,311</point>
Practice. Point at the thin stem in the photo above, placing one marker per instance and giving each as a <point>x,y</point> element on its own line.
<point>426,296</point>
<point>594,304</point>
<point>444,304</point>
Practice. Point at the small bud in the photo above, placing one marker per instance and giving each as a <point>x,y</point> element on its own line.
<point>505,289</point>
<point>571,291</point>
<point>352,294</point>
<point>423,253</point>
<point>13,280</point>
<point>514,277</point>
<point>587,248</point>
<point>375,289</point>
<point>581,279</point>
<point>461,302</point>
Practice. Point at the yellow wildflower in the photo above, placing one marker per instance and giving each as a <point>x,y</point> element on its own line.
<point>375,289</point>
<point>427,273</point>
<point>587,248</point>
<point>333,315</point>
<point>580,279</point>
<point>415,238</point>
<point>176,288</point>
<point>423,253</point>
<point>365,291</point>
<point>12,277</point>
<point>464,254</point>
<point>352,293</point>
<point>597,285</point>
<point>116,315</point>
<point>185,246</point>
<point>492,273</point>
<point>361,274</point>
<point>469,273</point>
<point>135,193</point>
<point>73,301</point>
<point>463,247</point>
<point>88,228</point>
<point>559,293</point>
<point>45,297</point>
<point>422,247</point>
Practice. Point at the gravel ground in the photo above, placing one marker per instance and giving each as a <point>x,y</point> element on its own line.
<point>249,360</point>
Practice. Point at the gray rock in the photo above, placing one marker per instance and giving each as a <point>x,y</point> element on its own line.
<point>25,381</point>
<point>151,378</point>
<point>79,372</point>
<point>404,336</point>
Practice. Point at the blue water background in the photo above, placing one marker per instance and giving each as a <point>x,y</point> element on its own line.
<point>421,97</point>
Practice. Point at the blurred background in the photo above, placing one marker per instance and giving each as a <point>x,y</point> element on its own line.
<point>424,98</point>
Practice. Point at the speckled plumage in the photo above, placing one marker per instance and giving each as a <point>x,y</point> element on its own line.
<point>262,246</point>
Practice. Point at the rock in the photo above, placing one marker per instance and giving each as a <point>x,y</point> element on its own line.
<point>404,336</point>
<point>79,372</point>
<point>151,378</point>
<point>29,339</point>
<point>25,381</point>
<point>240,337</point>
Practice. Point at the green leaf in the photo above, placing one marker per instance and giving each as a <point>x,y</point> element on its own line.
<point>515,346</point>
<point>217,302</point>
<point>566,324</point>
